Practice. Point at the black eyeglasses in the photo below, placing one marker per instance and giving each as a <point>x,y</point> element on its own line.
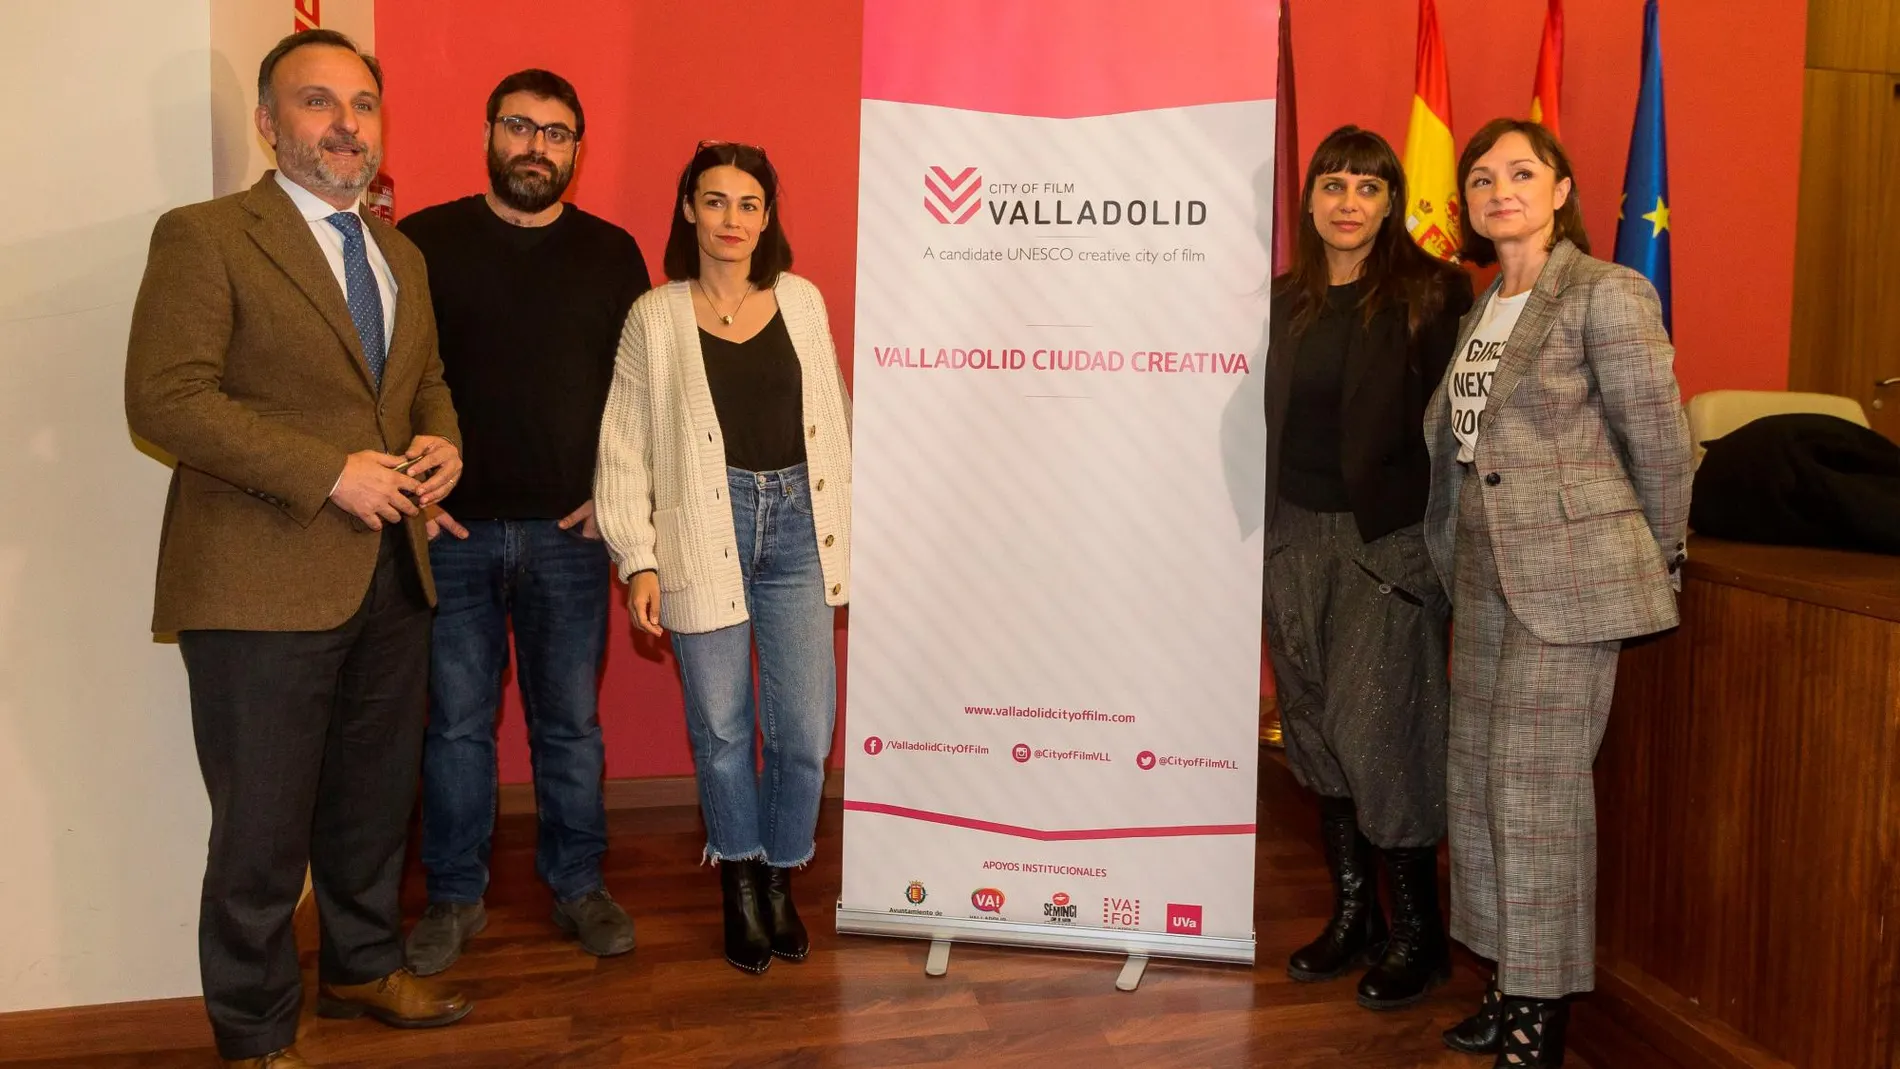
<point>522,128</point>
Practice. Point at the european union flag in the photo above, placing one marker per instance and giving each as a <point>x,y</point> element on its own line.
<point>1642,228</point>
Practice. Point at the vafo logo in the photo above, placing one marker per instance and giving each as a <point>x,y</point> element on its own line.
<point>915,894</point>
<point>1060,909</point>
<point>1184,920</point>
<point>987,899</point>
<point>951,198</point>
<point>1121,912</point>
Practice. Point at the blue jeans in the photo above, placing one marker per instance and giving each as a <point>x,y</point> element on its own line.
<point>556,586</point>
<point>770,814</point>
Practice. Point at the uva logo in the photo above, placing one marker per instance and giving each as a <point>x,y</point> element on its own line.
<point>1184,920</point>
<point>987,899</point>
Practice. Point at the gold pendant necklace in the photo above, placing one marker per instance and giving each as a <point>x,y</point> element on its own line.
<point>726,319</point>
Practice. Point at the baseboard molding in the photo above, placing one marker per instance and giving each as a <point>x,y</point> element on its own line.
<point>1663,1018</point>
<point>648,792</point>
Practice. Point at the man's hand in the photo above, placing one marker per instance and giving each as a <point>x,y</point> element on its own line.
<point>436,519</point>
<point>437,458</point>
<point>373,491</point>
<point>584,518</point>
<point>643,601</point>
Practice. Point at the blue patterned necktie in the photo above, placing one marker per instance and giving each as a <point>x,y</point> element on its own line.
<point>366,300</point>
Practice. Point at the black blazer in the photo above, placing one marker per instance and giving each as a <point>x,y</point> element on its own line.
<point>1388,379</point>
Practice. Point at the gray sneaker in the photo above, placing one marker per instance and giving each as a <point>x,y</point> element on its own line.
<point>603,928</point>
<point>439,937</point>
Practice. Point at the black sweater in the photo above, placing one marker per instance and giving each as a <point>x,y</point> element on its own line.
<point>530,321</point>
<point>1387,377</point>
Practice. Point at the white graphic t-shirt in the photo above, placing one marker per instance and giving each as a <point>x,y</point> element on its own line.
<point>1471,369</point>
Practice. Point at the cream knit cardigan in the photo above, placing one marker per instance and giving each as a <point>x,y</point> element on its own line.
<point>660,493</point>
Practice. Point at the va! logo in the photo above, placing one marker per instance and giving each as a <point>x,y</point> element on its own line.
<point>951,199</point>
<point>987,899</point>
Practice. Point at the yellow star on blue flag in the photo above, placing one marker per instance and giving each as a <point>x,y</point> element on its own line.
<point>1645,245</point>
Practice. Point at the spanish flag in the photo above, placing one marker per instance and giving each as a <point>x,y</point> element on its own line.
<point>1550,69</point>
<point>1431,158</point>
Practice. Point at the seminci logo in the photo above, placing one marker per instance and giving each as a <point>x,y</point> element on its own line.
<point>952,199</point>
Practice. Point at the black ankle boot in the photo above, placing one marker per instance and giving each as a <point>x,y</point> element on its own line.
<point>1532,1033</point>
<point>1416,958</point>
<point>1356,934</point>
<point>748,940</point>
<point>1479,1033</point>
<point>789,939</point>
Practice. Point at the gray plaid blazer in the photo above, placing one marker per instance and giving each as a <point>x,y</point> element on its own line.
<point>1583,456</point>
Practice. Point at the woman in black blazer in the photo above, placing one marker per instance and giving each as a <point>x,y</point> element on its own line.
<point>1362,328</point>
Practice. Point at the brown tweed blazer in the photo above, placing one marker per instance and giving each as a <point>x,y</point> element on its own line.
<point>1583,457</point>
<point>245,365</point>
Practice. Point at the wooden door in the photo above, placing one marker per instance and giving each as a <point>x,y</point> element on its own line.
<point>1854,35</point>
<point>1846,323</point>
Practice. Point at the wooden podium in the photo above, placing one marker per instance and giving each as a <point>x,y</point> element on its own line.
<point>1749,816</point>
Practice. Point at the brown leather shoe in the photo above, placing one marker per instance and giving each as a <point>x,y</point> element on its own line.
<point>401,1000</point>
<point>288,1058</point>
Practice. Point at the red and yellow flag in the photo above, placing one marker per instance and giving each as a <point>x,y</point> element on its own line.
<point>1431,157</point>
<point>1550,69</point>
<point>1286,153</point>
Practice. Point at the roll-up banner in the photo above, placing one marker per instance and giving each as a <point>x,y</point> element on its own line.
<point>1065,212</point>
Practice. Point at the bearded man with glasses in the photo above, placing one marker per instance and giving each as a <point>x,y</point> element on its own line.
<point>530,294</point>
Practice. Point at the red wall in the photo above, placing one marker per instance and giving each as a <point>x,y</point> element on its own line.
<point>658,77</point>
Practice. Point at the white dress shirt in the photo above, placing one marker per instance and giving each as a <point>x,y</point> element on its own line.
<point>317,212</point>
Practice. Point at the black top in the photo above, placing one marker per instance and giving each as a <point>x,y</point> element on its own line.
<point>758,391</point>
<point>1386,373</point>
<point>1310,475</point>
<point>529,320</point>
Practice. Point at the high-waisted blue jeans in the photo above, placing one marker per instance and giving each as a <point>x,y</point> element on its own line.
<point>769,813</point>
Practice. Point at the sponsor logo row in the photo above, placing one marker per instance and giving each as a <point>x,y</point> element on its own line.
<point>1023,753</point>
<point>1060,908</point>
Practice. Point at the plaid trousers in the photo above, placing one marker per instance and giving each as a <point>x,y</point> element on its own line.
<point>1526,720</point>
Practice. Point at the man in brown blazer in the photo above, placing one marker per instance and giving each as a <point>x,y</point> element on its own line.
<point>283,348</point>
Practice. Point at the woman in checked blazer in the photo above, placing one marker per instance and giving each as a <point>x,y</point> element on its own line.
<point>1559,503</point>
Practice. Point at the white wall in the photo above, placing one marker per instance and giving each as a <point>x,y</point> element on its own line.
<point>102,813</point>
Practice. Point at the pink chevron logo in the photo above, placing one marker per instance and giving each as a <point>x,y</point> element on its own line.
<point>952,199</point>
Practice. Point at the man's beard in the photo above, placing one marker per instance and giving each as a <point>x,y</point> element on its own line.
<point>523,188</point>
<point>307,164</point>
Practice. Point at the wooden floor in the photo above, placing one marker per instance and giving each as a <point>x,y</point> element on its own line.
<point>857,1001</point>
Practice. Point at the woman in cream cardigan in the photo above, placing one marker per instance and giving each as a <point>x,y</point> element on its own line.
<point>1558,509</point>
<point>724,493</point>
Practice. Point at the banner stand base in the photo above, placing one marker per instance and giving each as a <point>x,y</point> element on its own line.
<point>1131,972</point>
<point>1137,946</point>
